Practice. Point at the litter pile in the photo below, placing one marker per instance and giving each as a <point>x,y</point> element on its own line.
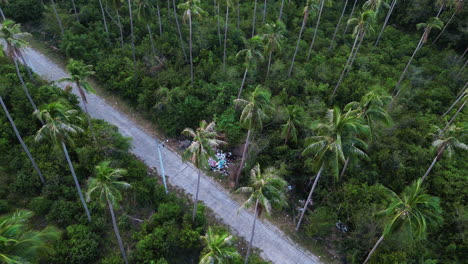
<point>221,162</point>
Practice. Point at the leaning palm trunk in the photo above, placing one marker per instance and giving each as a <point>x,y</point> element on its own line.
<point>264,12</point>
<point>337,26</point>
<point>389,13</point>
<point>242,84</point>
<point>254,18</point>
<point>437,157</point>
<point>77,184</point>
<point>441,8</point>
<point>281,10</point>
<point>133,40</point>
<point>462,69</point>
<point>345,166</point>
<point>244,154</point>
<point>20,139</point>
<point>225,36</point>
<point>346,65</point>
<point>1,14</point>
<point>238,14</point>
<point>249,248</point>
<point>195,204</point>
<point>153,49</point>
<point>159,19</point>
<point>444,28</point>
<point>350,16</point>
<point>190,48</point>
<point>217,23</point>
<point>88,116</point>
<point>74,10</point>
<point>454,103</point>
<point>269,65</point>
<point>463,55</point>
<point>315,31</point>
<point>117,233</point>
<point>120,29</point>
<point>309,198</point>
<point>454,116</point>
<point>178,30</point>
<point>104,18</point>
<point>304,21</point>
<point>355,53</point>
<point>23,84</point>
<point>59,21</point>
<point>373,249</point>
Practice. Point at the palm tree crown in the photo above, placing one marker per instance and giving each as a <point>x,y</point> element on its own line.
<point>79,72</point>
<point>256,108</point>
<point>11,33</point>
<point>251,53</point>
<point>218,248</point>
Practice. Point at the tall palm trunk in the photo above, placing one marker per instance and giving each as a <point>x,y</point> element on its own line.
<point>441,8</point>
<point>218,24</point>
<point>1,14</point>
<point>454,103</point>
<point>74,10</point>
<point>269,65</point>
<point>238,14</point>
<point>23,84</point>
<point>309,198</point>
<point>444,28</point>
<point>437,157</point>
<point>77,184</point>
<point>178,30</point>
<point>373,249</point>
<point>462,69</point>
<point>281,10</point>
<point>117,233</point>
<point>195,204</point>
<point>346,65</point>
<point>190,48</point>
<point>337,25</point>
<point>350,16</point>
<point>244,154</point>
<point>88,117</point>
<point>345,166</point>
<point>130,13</point>
<point>316,28</point>
<point>355,53</point>
<point>59,21</point>
<point>242,84</point>
<point>249,248</point>
<point>254,19</point>
<point>463,55</point>
<point>389,13</point>
<point>20,139</point>
<point>159,19</point>
<point>153,49</point>
<point>168,8</point>
<point>120,29</point>
<point>454,116</point>
<point>264,12</point>
<point>104,18</point>
<point>225,36</point>
<point>304,21</point>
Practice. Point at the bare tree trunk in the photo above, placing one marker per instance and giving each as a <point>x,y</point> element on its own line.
<point>373,249</point>
<point>337,25</point>
<point>195,203</point>
<point>217,23</point>
<point>23,84</point>
<point>462,56</point>
<point>168,9</point>
<point>159,19</point>
<point>74,10</point>
<point>441,8</point>
<point>344,168</point>
<point>254,18</point>
<point>77,184</point>
<point>355,53</point>
<point>153,49</point>
<point>120,29</point>
<point>133,39</point>
<point>59,21</point>
<point>1,14</point>
<point>249,248</point>
<point>281,10</point>
<point>304,21</point>
<point>389,13</point>
<point>264,12</point>
<point>20,139</point>
<point>178,29</point>
<point>437,157</point>
<point>244,154</point>
<point>454,103</point>
<point>444,28</point>
<point>269,64</point>
<point>104,19</point>
<point>462,69</point>
<point>454,116</point>
<point>242,84</point>
<point>309,198</point>
<point>190,48</point>
<point>225,36</point>
<point>238,14</point>
<point>346,65</point>
<point>316,28</point>
<point>350,16</point>
<point>117,233</point>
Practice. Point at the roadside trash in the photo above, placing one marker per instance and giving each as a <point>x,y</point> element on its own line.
<point>220,163</point>
<point>341,226</point>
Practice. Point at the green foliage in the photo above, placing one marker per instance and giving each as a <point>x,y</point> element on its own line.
<point>24,10</point>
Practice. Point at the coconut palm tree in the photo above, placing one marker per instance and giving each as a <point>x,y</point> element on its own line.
<point>307,10</point>
<point>203,146</point>
<point>374,5</point>
<point>79,73</point>
<point>255,110</point>
<point>107,187</point>
<point>272,38</point>
<point>458,8</point>
<point>145,13</point>
<point>252,55</point>
<point>57,129</point>
<point>11,33</point>
<point>59,20</point>
<point>20,243</point>
<point>266,190</point>
<point>228,4</point>
<point>363,25</point>
<point>254,18</point>
<point>387,17</point>
<point>218,248</point>
<point>295,119</point>
<point>351,14</point>
<point>20,139</point>
<point>178,30</point>
<point>191,8</point>
<point>320,4</point>
<point>103,18</point>
<point>338,25</point>
<point>412,212</point>
<point>433,22</point>
<point>327,146</point>
<point>445,142</point>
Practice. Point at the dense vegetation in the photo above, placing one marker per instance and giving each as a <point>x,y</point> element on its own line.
<point>356,115</point>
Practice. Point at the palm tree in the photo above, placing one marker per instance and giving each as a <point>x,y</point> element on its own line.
<point>75,11</point>
<point>145,13</point>
<point>57,129</point>
<point>254,18</point>
<point>463,96</point>
<point>445,142</point>
<point>255,111</point>
<point>350,16</point>
<point>107,187</point>
<point>266,190</point>
<point>321,4</point>
<point>281,10</point>
<point>79,72</point>
<point>363,25</point>
<point>103,18</point>
<point>21,244</point>
<point>5,2</point>
<point>295,118</point>
<point>251,55</point>
<point>228,4</point>
<point>273,36</point>
<point>433,22</point>
<point>327,146</point>
<point>374,5</point>
<point>191,7</point>
<point>20,139</point>
<point>132,35</point>
<point>413,211</point>
<point>307,10</point>
<point>116,5</point>
<point>14,44</point>
<point>202,147</point>
<point>264,12</point>
<point>458,8</point>
<point>338,25</point>
<point>387,17</point>
<point>59,20</point>
<point>178,30</point>
<point>218,248</point>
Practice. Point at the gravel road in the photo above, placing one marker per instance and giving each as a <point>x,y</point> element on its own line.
<point>273,243</point>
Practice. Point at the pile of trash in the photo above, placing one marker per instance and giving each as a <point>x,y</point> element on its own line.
<point>220,163</point>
